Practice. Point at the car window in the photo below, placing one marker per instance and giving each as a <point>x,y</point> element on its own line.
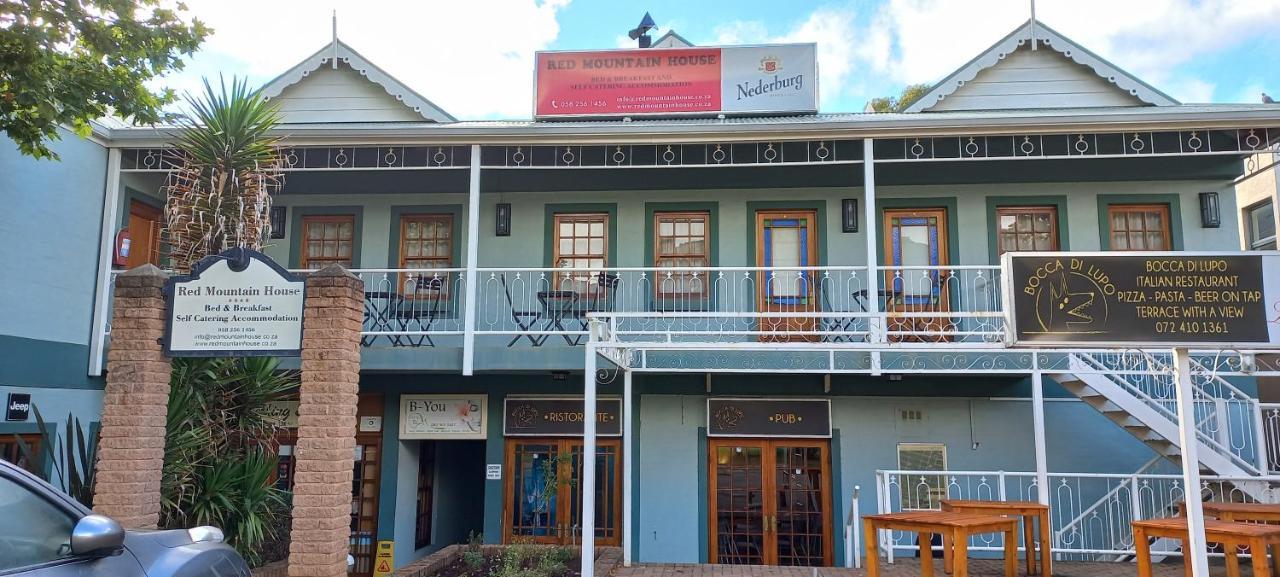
<point>32,530</point>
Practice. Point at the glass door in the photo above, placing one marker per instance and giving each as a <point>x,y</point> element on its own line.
<point>916,279</point>
<point>786,243</point>
<point>364,504</point>
<point>544,501</point>
<point>770,502</point>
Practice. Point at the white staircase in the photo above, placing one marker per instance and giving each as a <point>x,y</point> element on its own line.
<point>1144,403</point>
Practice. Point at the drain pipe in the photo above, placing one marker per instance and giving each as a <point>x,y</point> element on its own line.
<point>852,539</point>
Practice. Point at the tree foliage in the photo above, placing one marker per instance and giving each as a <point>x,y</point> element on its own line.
<point>225,169</point>
<point>66,62</point>
<point>906,98</point>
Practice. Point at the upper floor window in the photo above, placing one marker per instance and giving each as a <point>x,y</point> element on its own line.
<point>426,244</point>
<point>1260,219</point>
<point>327,240</point>
<point>1139,226</point>
<point>1027,228</point>
<point>681,240</point>
<point>582,245</point>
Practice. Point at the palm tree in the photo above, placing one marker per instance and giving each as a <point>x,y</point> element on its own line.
<point>225,168</point>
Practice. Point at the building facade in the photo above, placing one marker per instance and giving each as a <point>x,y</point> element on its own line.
<point>741,272</point>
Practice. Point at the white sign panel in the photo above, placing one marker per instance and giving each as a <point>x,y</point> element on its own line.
<point>370,424</point>
<point>442,416</point>
<point>780,77</point>
<point>493,471</point>
<point>238,303</point>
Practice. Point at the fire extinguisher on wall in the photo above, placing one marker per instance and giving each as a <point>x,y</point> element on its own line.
<point>121,252</point>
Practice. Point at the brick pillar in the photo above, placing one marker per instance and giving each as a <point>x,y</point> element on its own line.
<point>136,401</point>
<point>332,317</point>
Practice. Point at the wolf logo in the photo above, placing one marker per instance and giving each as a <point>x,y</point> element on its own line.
<point>1068,310</point>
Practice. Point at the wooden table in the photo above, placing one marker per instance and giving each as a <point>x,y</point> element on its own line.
<point>954,527</point>
<point>1246,512</point>
<point>1232,535</point>
<point>1029,511</point>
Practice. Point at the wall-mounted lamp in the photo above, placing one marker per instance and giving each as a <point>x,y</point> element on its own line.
<point>502,219</point>
<point>1210,215</point>
<point>849,215</point>
<point>277,222</point>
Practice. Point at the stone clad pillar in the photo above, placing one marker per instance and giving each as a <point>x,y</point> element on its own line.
<point>135,403</point>
<point>332,316</point>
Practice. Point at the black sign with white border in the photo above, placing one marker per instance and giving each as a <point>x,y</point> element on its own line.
<point>558,417</point>
<point>18,407</point>
<point>779,418</point>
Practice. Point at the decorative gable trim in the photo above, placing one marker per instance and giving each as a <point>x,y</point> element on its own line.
<point>1047,38</point>
<point>676,40</point>
<point>324,57</point>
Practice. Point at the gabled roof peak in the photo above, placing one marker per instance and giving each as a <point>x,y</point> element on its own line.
<point>1044,37</point>
<point>347,55</point>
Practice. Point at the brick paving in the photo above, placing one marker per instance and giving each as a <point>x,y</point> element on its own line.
<point>911,567</point>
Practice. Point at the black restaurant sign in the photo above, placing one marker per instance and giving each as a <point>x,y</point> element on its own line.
<point>729,417</point>
<point>1137,299</point>
<point>558,417</point>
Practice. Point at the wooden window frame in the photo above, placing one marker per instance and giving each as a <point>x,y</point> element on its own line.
<point>33,440</point>
<point>404,278</point>
<point>1012,210</point>
<point>658,255</point>
<point>305,260</point>
<point>561,273</point>
<point>1166,214</point>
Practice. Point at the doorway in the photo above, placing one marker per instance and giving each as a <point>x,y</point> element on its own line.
<point>786,242</point>
<point>915,246</point>
<point>144,234</point>
<point>364,502</point>
<point>543,501</point>
<point>770,502</point>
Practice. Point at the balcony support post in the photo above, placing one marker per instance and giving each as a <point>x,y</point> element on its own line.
<point>101,294</point>
<point>473,256</point>
<point>589,463</point>
<point>628,461</point>
<point>1037,426</point>
<point>874,333</point>
<point>1190,445</point>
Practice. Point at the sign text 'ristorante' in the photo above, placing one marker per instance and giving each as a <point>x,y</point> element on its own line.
<point>238,303</point>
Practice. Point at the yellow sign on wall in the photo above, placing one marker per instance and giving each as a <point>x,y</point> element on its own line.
<point>385,561</point>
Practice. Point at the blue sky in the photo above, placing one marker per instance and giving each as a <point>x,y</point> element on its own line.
<point>475,58</point>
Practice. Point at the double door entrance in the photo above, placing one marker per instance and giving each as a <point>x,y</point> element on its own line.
<point>770,502</point>
<point>543,496</point>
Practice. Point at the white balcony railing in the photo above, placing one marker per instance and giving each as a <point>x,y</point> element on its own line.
<point>1090,513</point>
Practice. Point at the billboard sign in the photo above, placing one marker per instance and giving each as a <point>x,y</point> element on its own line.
<point>766,79</point>
<point>1167,299</point>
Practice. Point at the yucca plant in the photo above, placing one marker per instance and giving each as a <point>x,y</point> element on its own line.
<point>71,459</point>
<point>224,170</point>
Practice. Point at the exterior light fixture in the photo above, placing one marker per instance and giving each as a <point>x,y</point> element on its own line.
<point>277,222</point>
<point>502,219</point>
<point>1210,215</point>
<point>849,215</point>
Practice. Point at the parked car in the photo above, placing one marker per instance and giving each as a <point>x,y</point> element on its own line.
<point>45,533</point>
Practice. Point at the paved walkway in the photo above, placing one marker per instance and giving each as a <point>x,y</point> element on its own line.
<point>911,567</point>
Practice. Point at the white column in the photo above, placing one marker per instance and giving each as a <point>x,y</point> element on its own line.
<point>101,294</point>
<point>628,458</point>
<point>589,463</point>
<point>473,256</point>
<point>1195,545</point>
<point>1037,426</point>
<point>870,225</point>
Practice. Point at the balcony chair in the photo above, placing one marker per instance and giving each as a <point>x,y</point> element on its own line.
<point>525,319</point>
<point>841,324</point>
<point>421,312</point>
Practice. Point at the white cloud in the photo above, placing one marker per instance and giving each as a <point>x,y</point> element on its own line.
<point>474,59</point>
<point>830,28</point>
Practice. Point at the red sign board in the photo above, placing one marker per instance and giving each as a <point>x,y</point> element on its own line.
<point>675,81</point>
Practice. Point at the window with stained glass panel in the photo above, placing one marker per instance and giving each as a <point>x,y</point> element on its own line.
<point>1139,227</point>
<point>327,240</point>
<point>681,241</point>
<point>1027,228</point>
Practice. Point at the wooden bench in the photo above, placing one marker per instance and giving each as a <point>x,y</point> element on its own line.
<point>1232,535</point>
<point>955,528</point>
<point>1029,511</point>
<point>1242,512</point>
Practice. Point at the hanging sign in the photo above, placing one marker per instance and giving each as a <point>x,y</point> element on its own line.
<point>558,417</point>
<point>442,417</point>
<point>728,417</point>
<point>238,303</point>
<point>766,79</point>
<point>1167,299</point>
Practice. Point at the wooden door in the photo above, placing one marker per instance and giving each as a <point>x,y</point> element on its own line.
<point>786,243</point>
<point>770,502</point>
<point>364,502</point>
<point>543,491</point>
<point>144,234</point>
<point>914,239</point>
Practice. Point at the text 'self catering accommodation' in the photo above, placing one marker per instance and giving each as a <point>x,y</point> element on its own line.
<point>812,301</point>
